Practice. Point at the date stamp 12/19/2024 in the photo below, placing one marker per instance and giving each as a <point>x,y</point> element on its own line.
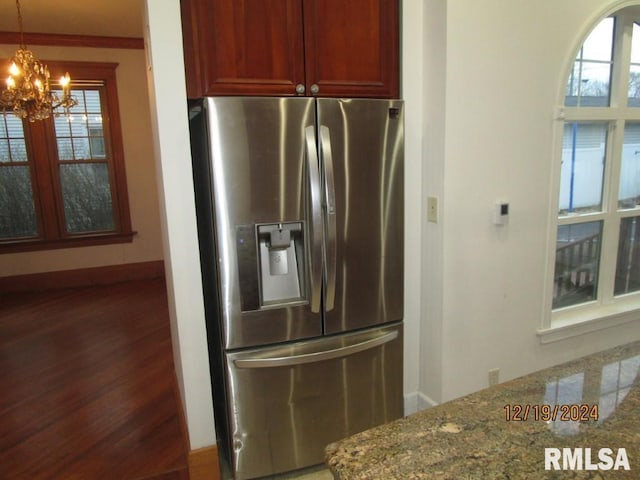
<point>551,413</point>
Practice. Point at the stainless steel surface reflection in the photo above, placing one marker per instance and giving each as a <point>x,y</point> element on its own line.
<point>258,177</point>
<point>300,223</point>
<point>369,224</point>
<point>296,399</point>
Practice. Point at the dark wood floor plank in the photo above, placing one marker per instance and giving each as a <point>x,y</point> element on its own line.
<point>87,385</point>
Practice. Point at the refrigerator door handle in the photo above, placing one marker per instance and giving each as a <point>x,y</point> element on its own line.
<point>330,216</point>
<point>315,224</point>
<point>288,361</point>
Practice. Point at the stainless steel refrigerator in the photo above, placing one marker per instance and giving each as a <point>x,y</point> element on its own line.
<point>300,220</point>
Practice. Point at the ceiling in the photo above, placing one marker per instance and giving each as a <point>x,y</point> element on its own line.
<point>111,18</point>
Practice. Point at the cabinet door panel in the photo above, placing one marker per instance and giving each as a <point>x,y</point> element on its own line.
<point>352,47</point>
<point>247,46</point>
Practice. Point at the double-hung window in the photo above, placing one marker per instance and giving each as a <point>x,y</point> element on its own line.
<point>597,244</point>
<point>62,180</point>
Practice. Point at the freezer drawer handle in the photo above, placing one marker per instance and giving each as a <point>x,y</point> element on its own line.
<point>316,356</point>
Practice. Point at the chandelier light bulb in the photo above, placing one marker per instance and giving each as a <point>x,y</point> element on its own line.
<point>65,80</point>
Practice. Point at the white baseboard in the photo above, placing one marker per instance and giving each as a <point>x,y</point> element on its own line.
<point>416,401</point>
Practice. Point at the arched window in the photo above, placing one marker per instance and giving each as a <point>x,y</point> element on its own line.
<point>597,254</point>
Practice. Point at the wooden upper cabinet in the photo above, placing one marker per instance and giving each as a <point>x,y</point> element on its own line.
<point>351,47</point>
<point>338,48</point>
<point>243,47</point>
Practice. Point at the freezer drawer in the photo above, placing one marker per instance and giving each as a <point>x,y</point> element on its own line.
<point>288,402</point>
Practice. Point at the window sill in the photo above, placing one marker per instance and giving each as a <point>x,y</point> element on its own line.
<point>571,323</point>
<point>74,242</point>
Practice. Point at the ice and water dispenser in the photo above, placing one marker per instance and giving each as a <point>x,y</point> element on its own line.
<point>271,261</point>
<point>281,260</point>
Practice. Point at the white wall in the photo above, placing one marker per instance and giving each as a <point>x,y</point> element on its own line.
<point>412,80</point>
<point>167,92</point>
<point>504,68</point>
<point>433,139</point>
<point>139,164</point>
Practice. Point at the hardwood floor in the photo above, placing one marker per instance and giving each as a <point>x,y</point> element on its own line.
<point>87,385</point>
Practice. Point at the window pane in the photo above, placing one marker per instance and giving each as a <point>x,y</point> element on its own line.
<point>79,96</point>
<point>634,86</point>
<point>62,125</point>
<point>92,101</point>
<point>97,147</point>
<point>589,82</point>
<point>599,43</point>
<point>12,143</point>
<point>4,150</point>
<point>577,260</point>
<point>80,136</point>
<point>14,127</point>
<point>18,150</point>
<point>78,127</point>
<point>582,174</point>
<point>81,148</point>
<point>65,149</point>
<point>628,266</point>
<point>635,44</point>
<point>629,191</point>
<point>17,211</point>
<point>86,195</point>
<point>634,69</point>
<point>589,85</point>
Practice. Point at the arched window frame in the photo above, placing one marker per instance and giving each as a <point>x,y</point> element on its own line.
<point>606,309</point>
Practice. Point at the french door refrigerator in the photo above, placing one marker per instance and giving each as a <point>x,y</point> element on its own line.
<point>300,220</point>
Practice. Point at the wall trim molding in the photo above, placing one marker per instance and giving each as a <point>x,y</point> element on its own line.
<point>417,401</point>
<point>203,464</point>
<point>82,277</point>
<point>65,40</point>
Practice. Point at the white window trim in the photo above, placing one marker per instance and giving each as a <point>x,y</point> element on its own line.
<point>589,317</point>
<point>607,311</point>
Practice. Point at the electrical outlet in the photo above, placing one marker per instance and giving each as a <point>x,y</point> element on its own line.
<point>432,209</point>
<point>494,376</point>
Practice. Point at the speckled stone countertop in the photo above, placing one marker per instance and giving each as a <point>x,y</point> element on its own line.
<point>484,435</point>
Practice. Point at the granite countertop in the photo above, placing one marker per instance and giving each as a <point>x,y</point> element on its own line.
<point>485,435</point>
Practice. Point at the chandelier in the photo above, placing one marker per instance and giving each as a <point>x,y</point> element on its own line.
<point>27,93</point>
